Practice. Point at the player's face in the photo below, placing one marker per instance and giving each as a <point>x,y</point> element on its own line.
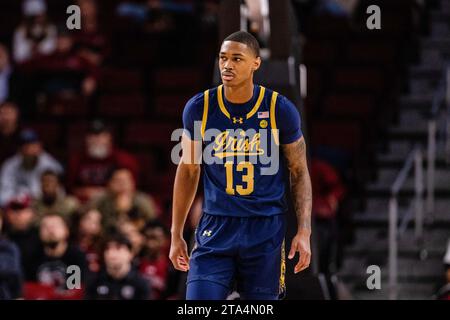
<point>237,63</point>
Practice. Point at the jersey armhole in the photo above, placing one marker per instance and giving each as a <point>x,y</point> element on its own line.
<point>205,113</point>
<point>273,121</point>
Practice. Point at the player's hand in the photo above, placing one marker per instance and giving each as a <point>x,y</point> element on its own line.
<point>178,254</point>
<point>301,244</point>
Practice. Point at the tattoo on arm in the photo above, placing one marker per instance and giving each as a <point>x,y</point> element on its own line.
<point>295,154</point>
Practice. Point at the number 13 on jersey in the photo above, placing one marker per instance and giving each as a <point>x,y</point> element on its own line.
<point>248,177</point>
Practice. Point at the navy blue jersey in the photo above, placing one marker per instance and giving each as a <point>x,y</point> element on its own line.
<point>244,172</point>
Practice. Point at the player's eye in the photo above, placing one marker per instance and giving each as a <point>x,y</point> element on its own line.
<point>223,58</point>
<point>237,59</point>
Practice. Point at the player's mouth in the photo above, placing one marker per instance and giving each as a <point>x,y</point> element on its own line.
<point>227,76</point>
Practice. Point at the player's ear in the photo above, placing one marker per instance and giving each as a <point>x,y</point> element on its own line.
<point>256,63</point>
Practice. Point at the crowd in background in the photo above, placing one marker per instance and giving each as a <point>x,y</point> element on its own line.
<point>87,211</point>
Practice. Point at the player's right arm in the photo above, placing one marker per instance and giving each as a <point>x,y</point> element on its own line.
<point>185,188</point>
<point>186,182</point>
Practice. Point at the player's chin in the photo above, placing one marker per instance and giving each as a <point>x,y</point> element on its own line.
<point>229,80</point>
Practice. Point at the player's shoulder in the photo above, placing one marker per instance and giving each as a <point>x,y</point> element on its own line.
<point>282,101</point>
<point>285,103</point>
<point>197,100</point>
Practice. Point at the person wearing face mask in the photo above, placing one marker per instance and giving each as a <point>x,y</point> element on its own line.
<point>56,255</point>
<point>35,35</point>
<point>21,174</point>
<point>88,170</point>
<point>53,198</point>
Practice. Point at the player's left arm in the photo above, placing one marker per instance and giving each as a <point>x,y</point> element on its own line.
<point>295,154</point>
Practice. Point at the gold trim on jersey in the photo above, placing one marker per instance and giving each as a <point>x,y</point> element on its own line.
<point>251,113</point>
<point>282,289</point>
<point>205,112</point>
<point>273,122</point>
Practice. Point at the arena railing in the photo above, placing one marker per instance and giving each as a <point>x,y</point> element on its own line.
<point>438,125</point>
<point>414,161</point>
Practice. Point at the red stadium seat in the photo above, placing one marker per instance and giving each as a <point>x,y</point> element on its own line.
<point>38,291</point>
<point>371,53</point>
<point>120,80</point>
<point>327,27</point>
<point>346,135</point>
<point>314,82</point>
<point>318,53</point>
<point>119,105</point>
<point>352,105</point>
<point>162,183</point>
<point>149,133</point>
<point>49,132</point>
<point>63,105</point>
<point>179,79</point>
<point>170,105</point>
<point>148,164</point>
<point>362,79</point>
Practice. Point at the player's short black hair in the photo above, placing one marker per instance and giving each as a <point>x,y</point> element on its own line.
<point>245,38</point>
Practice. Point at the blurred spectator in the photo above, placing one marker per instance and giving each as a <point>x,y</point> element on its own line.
<point>10,269</point>
<point>22,172</point>
<point>53,198</point>
<point>328,191</point>
<point>6,75</point>
<point>5,72</point>
<point>56,255</point>
<point>136,238</point>
<point>154,265</point>
<point>88,236</point>
<point>119,280</point>
<point>176,286</point>
<point>90,42</point>
<point>88,170</point>
<point>339,8</point>
<point>258,16</point>
<point>36,35</point>
<point>157,15</point>
<point>20,227</point>
<point>9,130</point>
<point>122,201</point>
<point>64,69</point>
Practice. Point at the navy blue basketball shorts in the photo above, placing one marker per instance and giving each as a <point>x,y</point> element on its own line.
<point>246,253</point>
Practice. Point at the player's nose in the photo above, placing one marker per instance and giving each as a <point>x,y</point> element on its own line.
<point>228,65</point>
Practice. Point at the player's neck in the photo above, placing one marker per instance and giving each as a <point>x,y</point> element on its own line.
<point>239,94</point>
